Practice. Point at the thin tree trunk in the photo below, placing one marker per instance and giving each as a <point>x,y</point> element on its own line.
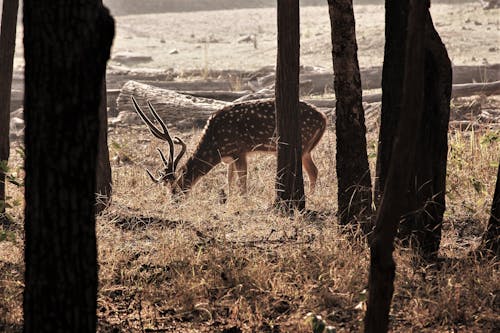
<point>103,182</point>
<point>353,171</point>
<point>393,205</point>
<point>7,48</point>
<point>289,182</point>
<point>66,48</point>
<point>491,238</point>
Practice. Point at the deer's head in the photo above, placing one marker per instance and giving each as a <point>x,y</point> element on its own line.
<point>168,175</point>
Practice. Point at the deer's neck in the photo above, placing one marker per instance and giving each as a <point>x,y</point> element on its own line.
<point>196,167</point>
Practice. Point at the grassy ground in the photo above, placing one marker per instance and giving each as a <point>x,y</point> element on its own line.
<point>201,266</point>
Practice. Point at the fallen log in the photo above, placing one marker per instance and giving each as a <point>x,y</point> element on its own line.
<point>458,90</point>
<point>330,102</point>
<point>263,93</point>
<point>200,85</point>
<point>221,95</point>
<point>186,110</point>
<point>469,89</point>
<point>372,77</point>
<point>312,81</point>
<point>16,99</point>
<point>174,108</point>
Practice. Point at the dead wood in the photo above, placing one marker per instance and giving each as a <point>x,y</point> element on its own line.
<point>330,102</point>
<point>312,81</point>
<point>203,85</point>
<point>372,77</point>
<point>469,89</point>
<point>173,107</point>
<point>221,95</point>
<point>458,90</point>
<point>192,108</point>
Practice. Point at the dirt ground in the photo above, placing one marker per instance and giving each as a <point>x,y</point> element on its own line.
<point>209,39</point>
<point>471,34</point>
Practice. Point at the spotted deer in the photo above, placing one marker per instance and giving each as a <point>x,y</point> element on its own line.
<point>229,136</point>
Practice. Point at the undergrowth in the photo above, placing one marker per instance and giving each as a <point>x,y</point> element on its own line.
<point>202,266</point>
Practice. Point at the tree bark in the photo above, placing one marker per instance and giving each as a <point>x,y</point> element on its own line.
<point>103,172</point>
<point>353,172</point>
<point>490,244</point>
<point>66,48</point>
<point>423,226</point>
<point>289,179</point>
<point>393,205</point>
<point>396,18</point>
<point>104,182</point>
<point>7,48</point>
<point>427,187</point>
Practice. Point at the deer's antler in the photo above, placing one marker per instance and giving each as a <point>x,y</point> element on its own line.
<point>164,135</point>
<point>183,150</point>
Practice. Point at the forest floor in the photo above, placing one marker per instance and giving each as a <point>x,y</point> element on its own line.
<point>203,266</point>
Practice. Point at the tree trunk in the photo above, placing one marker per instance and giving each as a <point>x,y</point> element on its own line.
<point>66,48</point>
<point>103,181</point>
<point>7,48</point>
<point>103,172</point>
<point>396,18</point>
<point>491,238</point>
<point>427,187</point>
<point>423,227</point>
<point>353,172</point>
<point>393,205</point>
<point>289,180</point>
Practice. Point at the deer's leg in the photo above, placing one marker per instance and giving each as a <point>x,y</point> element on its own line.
<point>231,172</point>
<point>230,176</point>
<point>311,169</point>
<point>241,168</point>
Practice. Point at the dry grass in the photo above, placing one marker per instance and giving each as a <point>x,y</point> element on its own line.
<point>200,266</point>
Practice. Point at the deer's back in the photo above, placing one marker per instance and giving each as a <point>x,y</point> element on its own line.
<point>251,126</point>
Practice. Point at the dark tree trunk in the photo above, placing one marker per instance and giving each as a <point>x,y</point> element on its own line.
<point>423,226</point>
<point>427,186</point>
<point>66,48</point>
<point>396,20</point>
<point>353,171</point>
<point>491,238</point>
<point>103,181</point>
<point>393,205</point>
<point>289,182</point>
<point>7,48</point>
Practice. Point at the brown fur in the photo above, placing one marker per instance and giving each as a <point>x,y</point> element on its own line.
<point>236,130</point>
